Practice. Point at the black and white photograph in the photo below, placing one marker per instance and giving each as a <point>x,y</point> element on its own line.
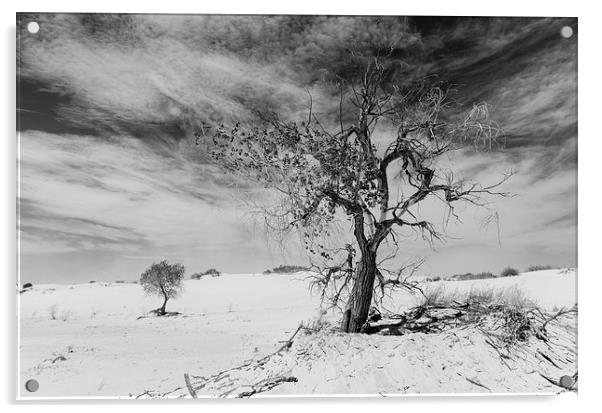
<point>251,206</point>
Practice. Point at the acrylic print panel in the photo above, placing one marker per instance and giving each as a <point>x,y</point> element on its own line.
<point>249,206</point>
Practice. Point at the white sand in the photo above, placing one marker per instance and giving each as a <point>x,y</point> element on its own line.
<point>108,352</point>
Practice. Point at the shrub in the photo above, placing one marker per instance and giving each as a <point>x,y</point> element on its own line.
<point>92,282</point>
<point>509,272</point>
<point>120,282</point>
<point>539,268</point>
<point>53,311</point>
<point>285,269</point>
<point>163,279</point>
<point>27,285</point>
<point>471,276</point>
<point>212,272</point>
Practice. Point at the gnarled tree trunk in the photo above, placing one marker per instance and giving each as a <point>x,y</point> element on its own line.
<point>359,302</point>
<point>165,298</point>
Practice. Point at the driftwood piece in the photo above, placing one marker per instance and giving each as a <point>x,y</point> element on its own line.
<point>267,384</point>
<point>476,383</point>
<point>224,376</point>
<point>189,386</point>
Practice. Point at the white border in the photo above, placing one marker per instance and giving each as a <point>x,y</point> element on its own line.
<point>589,198</point>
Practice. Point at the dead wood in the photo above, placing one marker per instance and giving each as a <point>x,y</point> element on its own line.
<point>476,383</point>
<point>196,383</point>
<point>267,384</point>
<point>189,386</point>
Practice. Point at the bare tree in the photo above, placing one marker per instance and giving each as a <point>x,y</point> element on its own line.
<point>163,279</point>
<point>320,172</point>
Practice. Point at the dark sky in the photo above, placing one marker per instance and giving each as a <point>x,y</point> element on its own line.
<point>110,178</point>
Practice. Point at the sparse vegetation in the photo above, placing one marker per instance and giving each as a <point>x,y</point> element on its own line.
<point>506,316</point>
<point>66,315</point>
<point>471,276</point>
<point>539,268</point>
<point>163,279</point>
<point>286,269</point>
<point>510,297</point>
<point>509,272</point>
<point>53,312</point>
<point>211,271</point>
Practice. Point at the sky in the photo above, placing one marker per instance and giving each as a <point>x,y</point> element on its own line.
<point>111,180</point>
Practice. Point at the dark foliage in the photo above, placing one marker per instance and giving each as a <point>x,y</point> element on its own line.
<point>471,276</point>
<point>509,272</point>
<point>539,268</point>
<point>286,269</point>
<point>212,272</point>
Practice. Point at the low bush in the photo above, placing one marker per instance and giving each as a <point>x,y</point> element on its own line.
<point>285,269</point>
<point>212,272</point>
<point>471,276</point>
<point>539,268</point>
<point>509,272</point>
<point>511,297</point>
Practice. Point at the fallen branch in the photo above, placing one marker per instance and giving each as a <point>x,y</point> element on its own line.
<point>190,388</point>
<point>561,312</point>
<point>476,383</point>
<point>266,385</point>
<point>225,374</point>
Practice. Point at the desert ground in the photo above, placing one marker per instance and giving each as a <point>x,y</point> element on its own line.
<point>99,340</point>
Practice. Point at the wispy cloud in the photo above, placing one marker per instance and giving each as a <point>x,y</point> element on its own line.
<point>85,193</point>
<point>112,176</point>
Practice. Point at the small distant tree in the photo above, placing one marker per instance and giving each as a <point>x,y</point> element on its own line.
<point>163,279</point>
